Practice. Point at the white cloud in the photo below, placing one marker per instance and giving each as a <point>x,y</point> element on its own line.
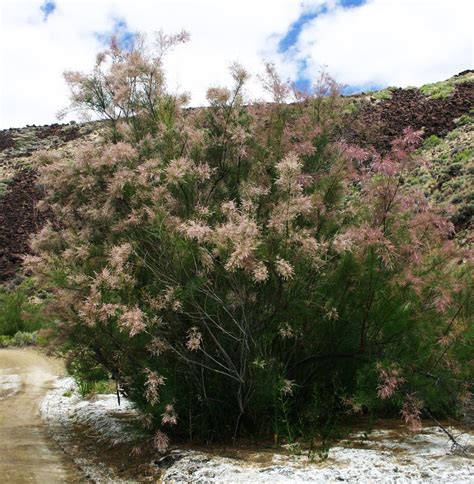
<point>386,41</point>
<point>35,53</point>
<point>391,42</point>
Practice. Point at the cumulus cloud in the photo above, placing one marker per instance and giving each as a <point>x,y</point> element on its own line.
<point>382,41</point>
<point>35,52</point>
<point>387,42</point>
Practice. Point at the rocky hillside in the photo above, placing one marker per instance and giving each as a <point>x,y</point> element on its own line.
<point>19,190</point>
<point>445,112</point>
<point>377,118</point>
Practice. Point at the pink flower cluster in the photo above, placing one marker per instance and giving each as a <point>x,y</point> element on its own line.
<point>411,413</point>
<point>390,381</point>
<point>169,417</point>
<point>133,321</point>
<point>152,386</point>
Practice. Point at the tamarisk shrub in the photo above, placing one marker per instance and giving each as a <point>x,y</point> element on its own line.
<point>126,84</point>
<point>239,272</point>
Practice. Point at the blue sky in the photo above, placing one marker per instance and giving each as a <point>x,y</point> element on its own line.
<point>48,7</point>
<point>122,33</point>
<point>290,38</point>
<point>289,42</point>
<point>365,44</point>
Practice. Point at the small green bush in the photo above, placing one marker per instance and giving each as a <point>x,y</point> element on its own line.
<point>464,120</point>
<point>464,155</point>
<point>383,94</point>
<point>89,376</point>
<point>19,339</point>
<point>431,142</point>
<point>20,311</point>
<point>437,90</point>
<point>452,135</point>
<point>5,341</point>
<point>351,107</point>
<point>85,387</point>
<point>22,338</point>
<point>4,186</point>
<point>104,387</point>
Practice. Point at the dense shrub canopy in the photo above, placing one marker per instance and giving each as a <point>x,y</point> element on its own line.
<point>238,272</point>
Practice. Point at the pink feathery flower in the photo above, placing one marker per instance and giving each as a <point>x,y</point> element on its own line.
<point>178,169</point>
<point>196,230</point>
<point>442,302</point>
<point>284,269</point>
<point>157,346</point>
<point>203,172</point>
<point>286,331</point>
<point>133,321</point>
<point>218,95</point>
<point>289,170</point>
<point>169,417</point>
<point>411,412</point>
<point>260,273</point>
<point>119,152</point>
<point>304,148</point>
<point>390,380</point>
<point>161,441</point>
<point>332,314</point>
<point>108,310</point>
<point>385,166</point>
<point>343,242</point>
<point>287,387</point>
<point>241,233</point>
<point>194,339</point>
<point>119,254</point>
<point>353,152</point>
<point>152,386</point>
<point>238,72</point>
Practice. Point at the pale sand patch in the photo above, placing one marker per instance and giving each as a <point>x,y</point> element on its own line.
<point>387,455</point>
<point>27,454</point>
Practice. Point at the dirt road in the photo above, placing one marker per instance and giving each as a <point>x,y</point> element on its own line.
<point>27,454</point>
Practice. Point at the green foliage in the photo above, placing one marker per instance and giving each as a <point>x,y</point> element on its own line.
<point>89,376</point>
<point>383,94</point>
<point>24,338</point>
<point>464,155</point>
<point>85,387</point>
<point>4,186</point>
<point>437,90</point>
<point>431,142</point>
<point>446,88</point>
<point>351,107</point>
<point>104,387</point>
<point>465,119</point>
<point>20,311</point>
<point>238,274</point>
<point>448,178</point>
<point>452,135</point>
<point>19,339</point>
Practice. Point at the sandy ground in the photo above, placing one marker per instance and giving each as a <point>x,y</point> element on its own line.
<point>387,455</point>
<point>92,440</point>
<point>93,432</point>
<point>27,454</point>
